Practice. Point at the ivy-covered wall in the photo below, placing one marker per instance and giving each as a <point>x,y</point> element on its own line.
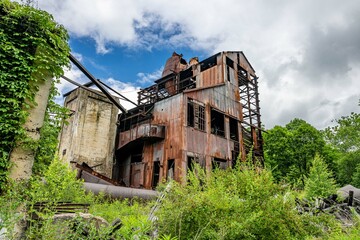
<point>23,31</point>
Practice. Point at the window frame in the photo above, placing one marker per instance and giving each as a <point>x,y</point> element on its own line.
<point>196,115</point>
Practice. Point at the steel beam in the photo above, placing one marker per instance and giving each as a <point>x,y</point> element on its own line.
<point>96,82</point>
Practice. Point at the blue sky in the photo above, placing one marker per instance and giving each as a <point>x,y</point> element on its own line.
<point>306,53</point>
<point>125,64</point>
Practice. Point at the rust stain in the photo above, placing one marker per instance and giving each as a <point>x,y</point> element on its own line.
<point>174,121</point>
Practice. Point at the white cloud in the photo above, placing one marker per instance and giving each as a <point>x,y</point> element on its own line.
<point>126,89</point>
<point>149,78</point>
<point>297,47</point>
<point>64,86</point>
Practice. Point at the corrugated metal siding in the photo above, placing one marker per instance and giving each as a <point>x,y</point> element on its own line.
<point>216,87</point>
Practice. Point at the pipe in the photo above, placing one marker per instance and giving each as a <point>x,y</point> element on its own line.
<point>120,192</point>
<point>96,82</point>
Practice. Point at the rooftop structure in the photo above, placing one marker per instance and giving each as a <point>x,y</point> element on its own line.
<point>203,112</point>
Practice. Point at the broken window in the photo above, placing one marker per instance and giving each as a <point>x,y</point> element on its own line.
<point>170,169</point>
<point>234,134</point>
<point>217,123</point>
<point>219,163</point>
<point>208,63</point>
<point>196,115</point>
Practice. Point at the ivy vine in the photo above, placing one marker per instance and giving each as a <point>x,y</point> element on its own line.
<point>24,31</point>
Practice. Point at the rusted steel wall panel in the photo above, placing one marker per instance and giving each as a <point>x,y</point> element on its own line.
<point>152,152</point>
<point>137,174</point>
<point>125,168</point>
<point>218,98</point>
<point>210,77</point>
<point>174,64</point>
<point>208,144</point>
<point>170,113</point>
<point>146,130</point>
<point>147,158</point>
<point>196,140</point>
<point>158,154</point>
<point>244,63</point>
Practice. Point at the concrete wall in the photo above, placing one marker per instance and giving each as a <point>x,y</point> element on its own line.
<point>90,135</point>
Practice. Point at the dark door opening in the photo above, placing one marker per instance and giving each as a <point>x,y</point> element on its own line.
<point>170,169</point>
<point>156,174</point>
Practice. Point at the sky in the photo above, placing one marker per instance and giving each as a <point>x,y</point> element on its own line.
<point>306,53</point>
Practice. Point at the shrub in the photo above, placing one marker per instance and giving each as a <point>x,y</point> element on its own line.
<point>242,203</point>
<point>132,213</point>
<point>59,184</point>
<point>320,182</point>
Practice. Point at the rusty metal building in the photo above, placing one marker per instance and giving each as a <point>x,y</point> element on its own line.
<point>205,112</point>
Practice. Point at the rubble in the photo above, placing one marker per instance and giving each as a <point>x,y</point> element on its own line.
<point>342,205</point>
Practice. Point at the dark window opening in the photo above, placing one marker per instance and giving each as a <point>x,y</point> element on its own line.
<point>217,123</point>
<point>135,158</point>
<point>228,73</point>
<point>190,114</point>
<point>219,163</point>
<point>208,63</point>
<point>234,133</point>
<point>196,115</point>
<point>186,74</point>
<point>170,169</point>
<point>229,62</point>
<point>242,75</point>
<point>183,61</point>
<point>156,174</point>
<point>186,80</point>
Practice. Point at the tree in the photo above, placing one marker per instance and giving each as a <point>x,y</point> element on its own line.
<point>290,149</point>
<point>346,134</point>
<point>278,151</point>
<point>345,137</point>
<point>320,182</point>
<point>346,166</point>
<point>356,177</point>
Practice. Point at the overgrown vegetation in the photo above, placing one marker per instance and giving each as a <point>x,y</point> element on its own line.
<point>241,203</point>
<point>247,202</point>
<point>59,184</point>
<point>32,48</point>
<point>320,182</point>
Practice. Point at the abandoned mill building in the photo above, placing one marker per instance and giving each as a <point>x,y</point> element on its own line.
<point>203,112</point>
